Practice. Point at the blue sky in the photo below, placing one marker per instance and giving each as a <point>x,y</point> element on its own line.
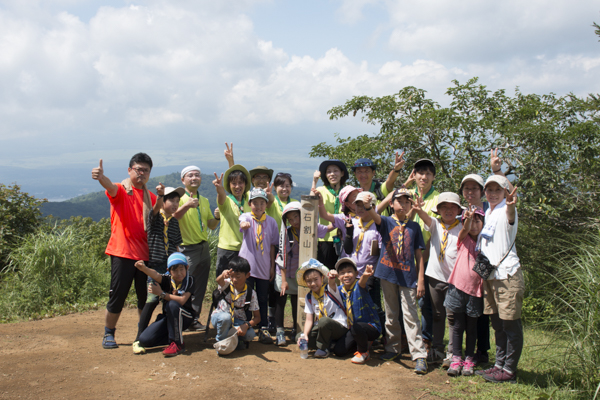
<point>83,80</point>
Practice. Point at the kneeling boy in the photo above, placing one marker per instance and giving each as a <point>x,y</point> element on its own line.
<point>231,308</point>
<point>325,314</point>
<point>175,289</point>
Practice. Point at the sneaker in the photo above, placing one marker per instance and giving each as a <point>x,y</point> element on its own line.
<point>360,358</point>
<point>293,334</point>
<point>264,336</point>
<point>421,367</point>
<point>196,326</point>
<point>272,328</point>
<point>321,353</point>
<point>455,366</point>
<point>137,348</point>
<point>501,376</point>
<point>488,371</point>
<point>481,358</point>
<point>468,367</point>
<point>389,356</point>
<point>435,356</point>
<point>447,361</point>
<point>172,350</point>
<point>108,341</point>
<point>281,339</point>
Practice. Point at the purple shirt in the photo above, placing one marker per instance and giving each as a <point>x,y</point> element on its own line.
<point>295,253</point>
<point>260,262</point>
<point>363,257</point>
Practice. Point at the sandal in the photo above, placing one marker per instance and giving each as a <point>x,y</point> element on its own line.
<point>108,342</point>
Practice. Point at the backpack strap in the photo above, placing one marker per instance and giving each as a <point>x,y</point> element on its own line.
<point>248,298</point>
<point>335,300</point>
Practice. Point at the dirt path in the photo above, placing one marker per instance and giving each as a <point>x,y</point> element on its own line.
<point>61,358</point>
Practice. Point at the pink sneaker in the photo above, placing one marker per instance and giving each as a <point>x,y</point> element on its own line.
<point>455,366</point>
<point>468,366</point>
<point>173,350</point>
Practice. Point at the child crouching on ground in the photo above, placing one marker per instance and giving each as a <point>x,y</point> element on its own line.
<point>361,313</point>
<point>175,289</point>
<point>236,298</point>
<point>325,315</point>
<point>465,294</point>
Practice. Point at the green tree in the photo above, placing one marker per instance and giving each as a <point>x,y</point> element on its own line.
<point>19,215</point>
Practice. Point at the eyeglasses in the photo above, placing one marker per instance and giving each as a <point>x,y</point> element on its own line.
<point>140,171</point>
<point>363,164</point>
<point>284,175</point>
<point>261,177</point>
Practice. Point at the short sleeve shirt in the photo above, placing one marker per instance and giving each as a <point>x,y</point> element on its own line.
<point>156,241</point>
<point>437,269</point>
<point>191,230</point>
<point>276,209</point>
<point>260,261</point>
<point>238,311</point>
<point>128,239</point>
<point>463,277</point>
<point>311,306</point>
<point>187,286</point>
<point>230,237</point>
<point>496,247</point>
<point>363,257</point>
<point>399,270</point>
<point>329,202</point>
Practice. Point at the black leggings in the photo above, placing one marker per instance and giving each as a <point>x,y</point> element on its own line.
<point>463,323</point>
<point>358,337</point>
<point>280,308</point>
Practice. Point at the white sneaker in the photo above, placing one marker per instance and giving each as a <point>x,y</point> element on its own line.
<point>447,361</point>
<point>360,358</point>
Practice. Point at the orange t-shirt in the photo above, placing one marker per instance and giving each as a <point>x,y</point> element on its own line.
<point>127,236</point>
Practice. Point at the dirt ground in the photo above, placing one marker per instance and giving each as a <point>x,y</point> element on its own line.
<point>62,358</point>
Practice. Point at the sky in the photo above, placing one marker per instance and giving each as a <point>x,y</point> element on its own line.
<point>82,80</point>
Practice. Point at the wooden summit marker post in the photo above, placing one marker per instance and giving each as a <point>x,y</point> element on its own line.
<point>309,215</point>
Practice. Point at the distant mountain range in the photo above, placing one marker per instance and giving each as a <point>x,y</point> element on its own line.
<point>97,206</point>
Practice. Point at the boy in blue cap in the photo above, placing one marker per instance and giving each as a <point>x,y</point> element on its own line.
<point>175,289</point>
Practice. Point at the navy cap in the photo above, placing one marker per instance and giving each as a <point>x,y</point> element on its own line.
<point>364,162</point>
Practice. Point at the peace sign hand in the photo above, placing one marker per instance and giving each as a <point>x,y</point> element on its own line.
<point>229,152</point>
<point>495,161</point>
<point>511,197</point>
<point>399,163</point>
<point>418,203</point>
<point>218,182</point>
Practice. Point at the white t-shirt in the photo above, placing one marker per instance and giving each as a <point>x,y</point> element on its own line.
<point>331,308</point>
<point>496,247</point>
<point>436,269</point>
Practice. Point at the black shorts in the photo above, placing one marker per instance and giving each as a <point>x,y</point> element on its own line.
<point>122,273</point>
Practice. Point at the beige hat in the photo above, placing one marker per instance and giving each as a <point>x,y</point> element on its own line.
<point>308,265</point>
<point>499,179</point>
<point>364,197</point>
<point>262,169</point>
<point>180,191</point>
<point>345,260</point>
<point>227,345</point>
<point>448,197</point>
<point>473,178</point>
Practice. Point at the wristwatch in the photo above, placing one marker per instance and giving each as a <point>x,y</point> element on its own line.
<point>162,296</point>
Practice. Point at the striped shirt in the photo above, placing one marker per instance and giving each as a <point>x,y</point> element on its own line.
<point>156,242</point>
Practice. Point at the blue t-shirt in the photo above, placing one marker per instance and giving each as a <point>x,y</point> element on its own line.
<point>401,271</point>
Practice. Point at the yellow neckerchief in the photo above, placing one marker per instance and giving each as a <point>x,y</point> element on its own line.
<point>295,234</point>
<point>363,229</point>
<point>176,286</point>
<point>259,231</point>
<point>351,215</point>
<point>165,235</point>
<point>234,298</point>
<point>349,314</point>
<point>320,297</point>
<point>401,224</point>
<point>445,238</point>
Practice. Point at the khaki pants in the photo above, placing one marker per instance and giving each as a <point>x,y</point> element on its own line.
<point>504,297</point>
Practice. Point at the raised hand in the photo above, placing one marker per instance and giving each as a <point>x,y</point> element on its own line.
<point>192,202</point>
<point>244,225</point>
<point>98,172</point>
<point>511,197</point>
<point>411,179</point>
<point>269,189</point>
<point>368,270</point>
<point>229,152</point>
<point>468,214</point>
<point>316,175</point>
<point>160,189</point>
<point>399,162</point>
<point>332,274</point>
<point>418,203</point>
<point>495,161</point>
<point>217,213</point>
<point>218,182</point>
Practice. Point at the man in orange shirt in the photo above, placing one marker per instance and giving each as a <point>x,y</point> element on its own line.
<point>130,205</point>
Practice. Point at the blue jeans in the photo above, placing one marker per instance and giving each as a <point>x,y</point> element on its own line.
<point>222,321</point>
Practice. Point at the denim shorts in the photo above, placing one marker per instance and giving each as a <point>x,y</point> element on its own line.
<point>459,302</point>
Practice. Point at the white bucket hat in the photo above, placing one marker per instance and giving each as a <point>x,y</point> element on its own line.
<point>308,265</point>
<point>448,197</point>
<point>227,345</point>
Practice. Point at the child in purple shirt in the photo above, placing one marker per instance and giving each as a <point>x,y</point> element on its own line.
<point>258,247</point>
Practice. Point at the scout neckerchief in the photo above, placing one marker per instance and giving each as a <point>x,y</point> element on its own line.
<point>351,215</point>
<point>240,205</point>
<point>234,298</point>
<point>321,300</point>
<point>197,208</point>
<point>280,203</point>
<point>259,231</point>
<point>295,234</point>
<point>445,238</point>
<point>348,293</point>
<point>165,235</point>
<point>363,229</point>
<point>401,224</point>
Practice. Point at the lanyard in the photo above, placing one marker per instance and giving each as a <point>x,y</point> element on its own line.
<point>197,209</point>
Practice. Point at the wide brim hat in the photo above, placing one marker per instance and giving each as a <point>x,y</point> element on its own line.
<point>227,345</point>
<point>261,168</point>
<point>308,265</point>
<point>472,178</point>
<point>291,206</point>
<point>424,161</point>
<point>237,167</point>
<point>499,179</point>
<point>448,197</point>
<point>345,260</point>
<point>180,191</point>
<point>339,164</point>
<point>364,162</point>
